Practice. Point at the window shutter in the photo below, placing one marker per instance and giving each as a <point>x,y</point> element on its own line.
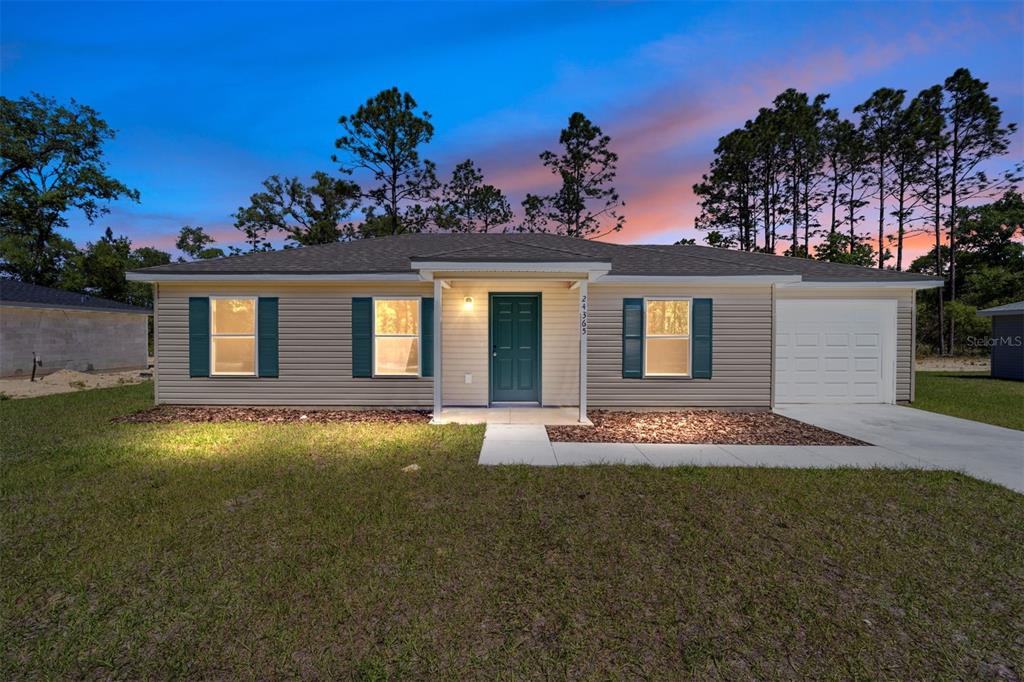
<point>266,336</point>
<point>427,336</point>
<point>362,337</point>
<point>701,334</point>
<point>632,338</point>
<point>198,336</point>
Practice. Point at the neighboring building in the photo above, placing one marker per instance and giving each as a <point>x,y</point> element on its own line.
<point>429,320</point>
<point>68,331</point>
<point>1007,340</point>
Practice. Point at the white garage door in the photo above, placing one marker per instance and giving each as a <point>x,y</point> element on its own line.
<point>835,351</point>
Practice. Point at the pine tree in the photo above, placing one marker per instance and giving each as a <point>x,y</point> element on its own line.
<point>587,204</point>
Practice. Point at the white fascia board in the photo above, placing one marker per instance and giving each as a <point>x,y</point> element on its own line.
<point>698,279</point>
<point>459,266</point>
<point>919,284</point>
<point>998,313</point>
<point>206,277</point>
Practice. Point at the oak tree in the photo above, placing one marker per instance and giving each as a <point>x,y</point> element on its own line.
<point>51,163</point>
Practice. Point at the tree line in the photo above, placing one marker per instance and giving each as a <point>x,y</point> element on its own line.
<point>803,179</point>
<point>53,164</point>
<point>799,178</point>
<point>383,141</point>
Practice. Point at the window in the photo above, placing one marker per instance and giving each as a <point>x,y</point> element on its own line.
<point>667,337</point>
<point>396,336</point>
<point>233,336</point>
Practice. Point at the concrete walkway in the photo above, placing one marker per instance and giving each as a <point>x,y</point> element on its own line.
<point>902,438</point>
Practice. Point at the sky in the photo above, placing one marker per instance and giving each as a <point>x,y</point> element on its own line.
<point>209,99</point>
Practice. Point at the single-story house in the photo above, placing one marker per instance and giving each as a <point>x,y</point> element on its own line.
<point>1007,340</point>
<point>66,330</point>
<point>438,320</point>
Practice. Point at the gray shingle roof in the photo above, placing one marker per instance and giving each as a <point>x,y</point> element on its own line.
<point>811,270</point>
<point>510,251</point>
<point>21,293</point>
<point>1016,308</point>
<point>398,255</point>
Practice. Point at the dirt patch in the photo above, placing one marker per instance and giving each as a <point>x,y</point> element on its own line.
<point>711,427</point>
<point>67,381</point>
<point>938,363</point>
<point>167,414</point>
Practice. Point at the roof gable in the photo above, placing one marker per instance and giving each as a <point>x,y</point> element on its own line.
<point>1015,308</point>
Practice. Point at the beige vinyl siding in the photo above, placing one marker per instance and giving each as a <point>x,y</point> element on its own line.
<point>316,355</point>
<point>904,324</point>
<point>465,349</point>
<point>741,350</point>
<point>315,350</point>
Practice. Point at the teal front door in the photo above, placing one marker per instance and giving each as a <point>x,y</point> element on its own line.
<point>515,348</point>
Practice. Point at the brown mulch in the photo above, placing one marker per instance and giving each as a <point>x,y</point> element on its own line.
<point>169,414</point>
<point>712,427</point>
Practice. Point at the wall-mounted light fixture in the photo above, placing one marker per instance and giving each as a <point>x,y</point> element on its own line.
<point>467,303</point>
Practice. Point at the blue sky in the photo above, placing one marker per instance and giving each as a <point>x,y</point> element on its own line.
<point>209,99</point>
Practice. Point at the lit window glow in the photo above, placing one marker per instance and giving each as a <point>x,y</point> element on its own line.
<point>396,342</point>
<point>233,336</point>
<point>667,337</point>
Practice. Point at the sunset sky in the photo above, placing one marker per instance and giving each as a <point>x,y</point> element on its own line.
<point>210,99</point>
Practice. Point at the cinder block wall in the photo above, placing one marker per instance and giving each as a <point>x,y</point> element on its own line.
<point>82,340</point>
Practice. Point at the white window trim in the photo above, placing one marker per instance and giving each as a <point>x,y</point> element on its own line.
<point>255,338</point>
<point>688,337</point>
<point>418,335</point>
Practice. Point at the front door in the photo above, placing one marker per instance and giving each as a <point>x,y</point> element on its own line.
<point>515,348</point>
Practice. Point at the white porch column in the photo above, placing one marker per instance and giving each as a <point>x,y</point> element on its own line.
<point>438,337</point>
<point>584,303</point>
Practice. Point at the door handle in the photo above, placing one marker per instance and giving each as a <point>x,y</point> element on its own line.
<point>494,351</point>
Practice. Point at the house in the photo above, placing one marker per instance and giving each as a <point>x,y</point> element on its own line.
<point>431,321</point>
<point>1007,340</point>
<point>66,330</point>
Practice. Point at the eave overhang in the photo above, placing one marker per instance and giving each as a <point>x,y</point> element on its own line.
<point>915,284</point>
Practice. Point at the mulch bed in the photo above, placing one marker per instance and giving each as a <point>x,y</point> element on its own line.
<point>710,427</point>
<point>170,414</point>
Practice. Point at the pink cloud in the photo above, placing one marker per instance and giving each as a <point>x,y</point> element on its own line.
<point>665,135</point>
<point>164,240</point>
<point>656,135</point>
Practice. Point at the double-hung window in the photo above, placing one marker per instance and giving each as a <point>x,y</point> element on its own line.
<point>667,337</point>
<point>396,336</point>
<point>233,336</point>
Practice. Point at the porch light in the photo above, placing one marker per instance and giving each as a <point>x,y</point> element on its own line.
<point>467,303</point>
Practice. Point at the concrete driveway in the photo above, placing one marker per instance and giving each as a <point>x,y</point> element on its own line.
<point>987,452</point>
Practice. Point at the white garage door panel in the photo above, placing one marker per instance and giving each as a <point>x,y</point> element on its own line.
<point>835,351</point>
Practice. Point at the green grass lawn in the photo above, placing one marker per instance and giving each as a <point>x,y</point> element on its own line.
<point>972,395</point>
<point>222,551</point>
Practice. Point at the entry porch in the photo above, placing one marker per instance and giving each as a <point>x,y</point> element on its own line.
<point>510,347</point>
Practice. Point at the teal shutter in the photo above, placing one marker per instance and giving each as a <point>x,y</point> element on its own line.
<point>198,336</point>
<point>427,336</point>
<point>701,335</point>
<point>362,337</point>
<point>632,338</point>
<point>266,336</point>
